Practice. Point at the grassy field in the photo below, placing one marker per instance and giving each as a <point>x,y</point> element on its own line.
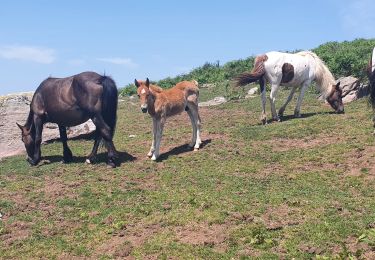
<point>302,188</point>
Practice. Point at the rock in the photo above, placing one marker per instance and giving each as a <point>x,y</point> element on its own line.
<point>132,136</point>
<point>352,89</point>
<point>213,102</point>
<point>252,92</point>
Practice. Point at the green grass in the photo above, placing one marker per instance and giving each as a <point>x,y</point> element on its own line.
<point>302,188</point>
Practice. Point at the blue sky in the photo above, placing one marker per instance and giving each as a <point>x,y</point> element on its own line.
<point>156,39</point>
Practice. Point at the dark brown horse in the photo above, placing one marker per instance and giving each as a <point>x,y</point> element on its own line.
<point>69,102</point>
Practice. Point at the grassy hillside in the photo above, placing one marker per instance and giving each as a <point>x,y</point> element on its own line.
<point>342,58</point>
<point>302,188</point>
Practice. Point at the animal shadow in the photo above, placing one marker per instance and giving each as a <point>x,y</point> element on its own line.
<point>100,158</point>
<point>181,149</point>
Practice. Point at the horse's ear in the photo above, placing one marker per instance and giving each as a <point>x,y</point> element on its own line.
<point>147,82</point>
<point>20,126</point>
<point>136,83</point>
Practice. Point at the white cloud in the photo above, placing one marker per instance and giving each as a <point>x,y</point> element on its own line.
<point>120,61</point>
<point>358,17</point>
<point>28,53</point>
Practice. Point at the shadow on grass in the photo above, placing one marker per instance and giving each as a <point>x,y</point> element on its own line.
<point>101,157</point>
<point>306,115</point>
<point>181,149</point>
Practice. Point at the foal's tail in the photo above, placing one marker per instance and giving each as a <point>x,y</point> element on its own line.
<point>109,99</point>
<point>255,74</point>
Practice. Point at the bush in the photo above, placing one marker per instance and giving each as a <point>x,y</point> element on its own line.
<point>128,90</point>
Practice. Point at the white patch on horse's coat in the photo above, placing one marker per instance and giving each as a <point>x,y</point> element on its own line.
<point>143,91</point>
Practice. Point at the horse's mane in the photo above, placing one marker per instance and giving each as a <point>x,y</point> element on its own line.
<point>323,76</point>
<point>156,89</point>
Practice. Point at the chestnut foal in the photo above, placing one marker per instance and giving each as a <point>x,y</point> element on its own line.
<point>161,104</point>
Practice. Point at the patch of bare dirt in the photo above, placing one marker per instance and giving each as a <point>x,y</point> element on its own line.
<point>16,232</point>
<point>282,216</point>
<point>202,234</point>
<point>122,243</point>
<point>361,162</point>
<point>282,144</point>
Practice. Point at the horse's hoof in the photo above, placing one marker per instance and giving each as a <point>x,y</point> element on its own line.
<point>111,164</point>
<point>149,155</point>
<point>196,149</point>
<point>154,158</point>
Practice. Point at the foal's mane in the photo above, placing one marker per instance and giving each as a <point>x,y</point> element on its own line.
<point>323,76</point>
<point>155,89</point>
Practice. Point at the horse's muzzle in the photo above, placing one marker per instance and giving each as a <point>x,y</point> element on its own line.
<point>340,111</point>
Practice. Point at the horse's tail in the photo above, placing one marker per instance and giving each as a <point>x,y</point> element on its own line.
<point>254,75</point>
<point>109,101</point>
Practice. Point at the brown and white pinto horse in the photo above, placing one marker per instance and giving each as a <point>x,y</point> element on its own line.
<point>161,104</point>
<point>293,70</point>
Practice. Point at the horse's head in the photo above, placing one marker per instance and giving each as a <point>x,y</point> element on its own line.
<point>29,142</point>
<point>143,91</point>
<point>335,99</point>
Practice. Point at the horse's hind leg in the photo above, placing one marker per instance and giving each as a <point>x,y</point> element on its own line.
<point>195,122</point>
<point>91,157</point>
<point>262,83</point>
<point>105,132</point>
<point>273,94</point>
<point>67,153</point>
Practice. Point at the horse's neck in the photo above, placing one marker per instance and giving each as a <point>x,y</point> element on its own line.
<point>29,120</point>
<point>324,78</point>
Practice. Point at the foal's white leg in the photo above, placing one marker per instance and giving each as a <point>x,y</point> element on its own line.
<point>297,110</point>
<point>152,149</point>
<point>282,109</point>
<point>159,133</point>
<point>274,89</point>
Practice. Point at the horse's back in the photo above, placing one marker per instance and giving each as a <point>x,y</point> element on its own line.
<point>301,66</point>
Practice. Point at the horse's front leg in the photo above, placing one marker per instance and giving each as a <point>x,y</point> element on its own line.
<point>297,110</point>
<point>67,153</point>
<point>152,148</point>
<point>159,133</point>
<point>282,109</point>
<point>38,123</point>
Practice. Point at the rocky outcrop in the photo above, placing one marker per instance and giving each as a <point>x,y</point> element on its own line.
<point>15,108</point>
<point>213,102</point>
<point>352,89</point>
